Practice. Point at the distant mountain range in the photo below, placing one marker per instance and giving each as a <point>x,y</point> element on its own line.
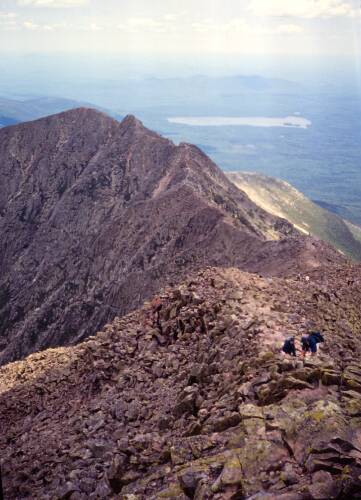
<point>220,85</point>
<point>97,215</point>
<point>283,200</point>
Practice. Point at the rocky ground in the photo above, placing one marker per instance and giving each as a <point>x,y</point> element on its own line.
<point>197,402</point>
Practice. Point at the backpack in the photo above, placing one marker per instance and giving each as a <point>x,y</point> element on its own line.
<point>305,343</point>
<point>318,337</point>
<point>289,345</point>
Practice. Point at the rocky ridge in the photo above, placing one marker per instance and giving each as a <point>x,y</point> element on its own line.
<point>96,216</point>
<point>195,400</point>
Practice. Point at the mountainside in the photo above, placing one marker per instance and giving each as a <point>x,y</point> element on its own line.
<point>283,200</point>
<point>197,402</point>
<point>97,215</point>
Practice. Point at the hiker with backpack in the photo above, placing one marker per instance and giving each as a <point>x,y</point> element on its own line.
<point>289,346</point>
<point>309,343</point>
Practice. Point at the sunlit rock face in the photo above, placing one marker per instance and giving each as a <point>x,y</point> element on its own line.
<point>283,200</point>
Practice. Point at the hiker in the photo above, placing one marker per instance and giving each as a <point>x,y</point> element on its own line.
<point>309,343</point>
<point>289,346</point>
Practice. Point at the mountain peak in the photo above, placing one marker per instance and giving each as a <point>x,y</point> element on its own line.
<point>84,112</point>
<point>131,121</point>
<point>131,124</point>
<point>81,119</point>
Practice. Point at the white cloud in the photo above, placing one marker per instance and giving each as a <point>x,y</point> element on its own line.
<point>95,27</point>
<point>289,29</point>
<point>209,25</point>
<point>7,15</point>
<point>170,17</point>
<point>8,21</point>
<point>308,9</point>
<point>270,31</point>
<point>55,4</point>
<point>29,25</point>
<point>92,27</point>
<point>241,27</point>
<point>33,26</point>
<point>163,24</point>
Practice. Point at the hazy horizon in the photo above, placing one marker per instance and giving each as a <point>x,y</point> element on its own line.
<point>315,40</point>
<point>46,43</point>
<point>248,63</point>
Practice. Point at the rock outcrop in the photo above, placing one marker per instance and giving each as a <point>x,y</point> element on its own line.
<point>189,397</point>
<point>97,215</point>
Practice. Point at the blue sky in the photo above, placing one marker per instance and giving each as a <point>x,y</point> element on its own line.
<point>299,27</point>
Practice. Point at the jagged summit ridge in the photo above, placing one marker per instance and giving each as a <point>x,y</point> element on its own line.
<point>97,215</point>
<point>84,117</point>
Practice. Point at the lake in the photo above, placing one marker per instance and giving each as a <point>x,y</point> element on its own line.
<point>250,121</point>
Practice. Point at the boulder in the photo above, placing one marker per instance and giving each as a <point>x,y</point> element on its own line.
<point>220,424</point>
<point>323,486</point>
<point>188,480</point>
<point>232,474</point>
